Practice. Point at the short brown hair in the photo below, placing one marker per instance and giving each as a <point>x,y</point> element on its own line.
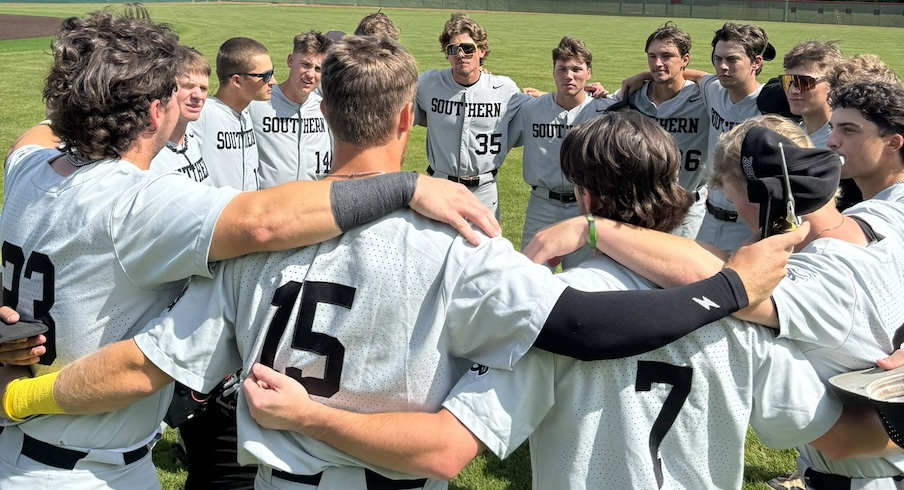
<point>727,153</point>
<point>311,42</point>
<point>670,33</point>
<point>861,67</point>
<point>189,60</point>
<point>377,24</point>
<point>824,55</point>
<point>629,164</point>
<point>460,23</point>
<point>235,55</point>
<point>366,81</point>
<point>572,48</point>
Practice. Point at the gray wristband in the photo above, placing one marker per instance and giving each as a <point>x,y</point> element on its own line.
<point>359,201</point>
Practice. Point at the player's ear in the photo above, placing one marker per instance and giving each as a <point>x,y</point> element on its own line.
<point>156,112</point>
<point>895,143</point>
<point>289,60</point>
<point>406,119</point>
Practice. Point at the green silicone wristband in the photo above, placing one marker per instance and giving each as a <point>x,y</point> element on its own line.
<point>591,233</point>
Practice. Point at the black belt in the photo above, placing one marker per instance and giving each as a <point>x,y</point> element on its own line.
<point>375,481</point>
<point>721,214</point>
<point>827,481</point>
<point>555,196</point>
<point>467,181</point>
<point>66,459</point>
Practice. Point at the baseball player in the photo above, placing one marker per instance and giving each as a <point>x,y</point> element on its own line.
<point>541,125</point>
<point>838,303</point>
<point>678,106</point>
<point>224,130</point>
<point>93,245</point>
<point>467,112</point>
<point>806,87</point>
<point>627,423</point>
<point>321,313</point>
<point>182,152</point>
<point>292,136</point>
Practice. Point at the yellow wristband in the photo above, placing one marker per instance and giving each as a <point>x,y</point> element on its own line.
<point>30,396</point>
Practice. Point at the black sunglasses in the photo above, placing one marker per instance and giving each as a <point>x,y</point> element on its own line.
<point>265,76</point>
<point>803,83</point>
<point>466,48</point>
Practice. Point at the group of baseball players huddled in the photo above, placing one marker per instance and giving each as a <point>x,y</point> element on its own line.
<point>326,327</point>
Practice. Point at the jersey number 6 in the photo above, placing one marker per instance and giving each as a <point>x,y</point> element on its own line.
<point>312,294</point>
<point>649,372</point>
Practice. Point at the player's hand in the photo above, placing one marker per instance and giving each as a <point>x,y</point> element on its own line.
<point>894,361</point>
<point>596,90</point>
<point>761,265</point>
<point>23,352</point>
<point>633,84</point>
<point>452,203</point>
<point>532,92</point>
<point>275,400</point>
<point>552,243</point>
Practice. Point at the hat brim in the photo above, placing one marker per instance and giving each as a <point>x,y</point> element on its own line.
<point>879,388</point>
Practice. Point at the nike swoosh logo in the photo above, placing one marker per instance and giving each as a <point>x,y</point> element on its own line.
<point>498,86</point>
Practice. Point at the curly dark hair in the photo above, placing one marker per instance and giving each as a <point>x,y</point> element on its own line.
<point>630,165</point>
<point>107,69</point>
<point>752,37</point>
<point>879,102</point>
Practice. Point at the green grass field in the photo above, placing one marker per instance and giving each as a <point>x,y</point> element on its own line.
<point>520,48</point>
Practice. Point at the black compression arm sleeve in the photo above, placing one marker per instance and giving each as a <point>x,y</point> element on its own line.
<point>358,201</point>
<point>616,324</point>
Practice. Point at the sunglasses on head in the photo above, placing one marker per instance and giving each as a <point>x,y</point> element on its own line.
<point>802,82</point>
<point>466,48</point>
<point>265,76</point>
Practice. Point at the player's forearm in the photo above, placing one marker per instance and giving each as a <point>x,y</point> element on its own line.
<point>40,135</point>
<point>694,75</point>
<point>301,213</point>
<point>435,445</point>
<point>858,433</point>
<point>664,259</point>
<point>110,379</point>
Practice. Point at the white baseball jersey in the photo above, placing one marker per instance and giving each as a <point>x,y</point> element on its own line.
<point>723,116</point>
<point>884,212</point>
<point>686,119</point>
<point>468,128</point>
<point>185,158</point>
<point>95,256</point>
<point>293,140</point>
<point>228,145</point>
<point>821,135</point>
<point>372,321</point>
<point>541,126</point>
<point>840,303</point>
<point>673,418</point>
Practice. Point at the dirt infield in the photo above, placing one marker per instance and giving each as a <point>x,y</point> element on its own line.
<point>26,26</point>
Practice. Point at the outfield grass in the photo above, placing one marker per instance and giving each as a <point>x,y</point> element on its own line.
<point>520,48</point>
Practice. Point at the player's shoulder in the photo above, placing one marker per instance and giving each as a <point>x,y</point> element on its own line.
<point>433,76</point>
<point>23,156</point>
<point>601,273</point>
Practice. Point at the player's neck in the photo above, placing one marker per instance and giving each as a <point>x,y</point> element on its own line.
<point>292,93</point>
<point>350,161</point>
<point>828,222</point>
<point>738,94</point>
<point>816,120</point>
<point>879,180</point>
<point>661,92</point>
<point>178,132</point>
<point>233,99</point>
<point>569,102</point>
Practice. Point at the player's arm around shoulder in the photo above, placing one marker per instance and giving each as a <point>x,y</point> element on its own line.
<point>435,445</point>
<point>41,135</point>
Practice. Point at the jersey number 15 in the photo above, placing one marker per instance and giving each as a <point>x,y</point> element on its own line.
<point>312,293</point>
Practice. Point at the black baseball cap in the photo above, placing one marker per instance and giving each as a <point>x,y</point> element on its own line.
<point>813,173</point>
<point>879,388</point>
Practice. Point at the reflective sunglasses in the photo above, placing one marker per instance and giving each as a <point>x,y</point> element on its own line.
<point>803,83</point>
<point>265,76</point>
<point>467,49</point>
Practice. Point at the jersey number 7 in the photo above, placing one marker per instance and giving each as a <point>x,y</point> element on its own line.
<point>304,338</point>
<point>649,372</point>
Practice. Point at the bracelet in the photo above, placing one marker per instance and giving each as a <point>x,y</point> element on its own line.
<point>45,122</point>
<point>591,232</point>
